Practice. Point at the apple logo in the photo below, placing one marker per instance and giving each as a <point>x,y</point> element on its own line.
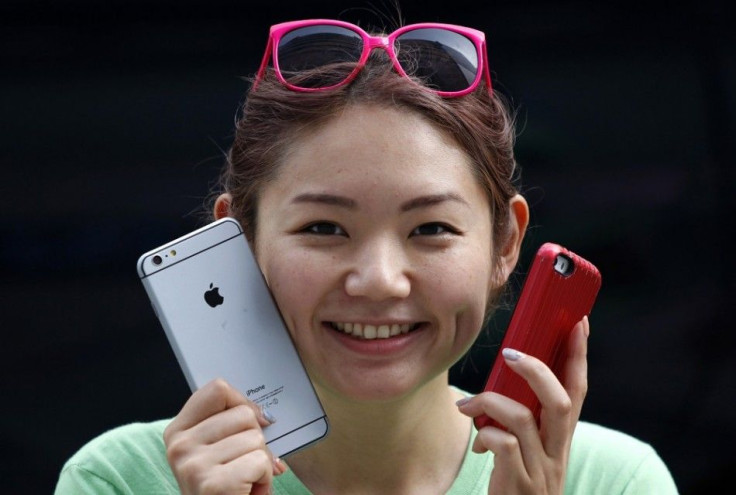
<point>213,297</point>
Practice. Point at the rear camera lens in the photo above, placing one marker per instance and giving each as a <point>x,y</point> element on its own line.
<point>157,260</point>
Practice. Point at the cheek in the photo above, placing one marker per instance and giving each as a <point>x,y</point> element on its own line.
<point>292,279</point>
<point>463,289</point>
<point>468,313</point>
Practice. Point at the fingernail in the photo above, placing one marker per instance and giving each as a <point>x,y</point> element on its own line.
<point>280,466</point>
<point>512,354</point>
<point>463,401</point>
<point>586,326</point>
<point>269,417</point>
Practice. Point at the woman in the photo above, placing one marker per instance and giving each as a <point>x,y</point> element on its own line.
<point>376,189</point>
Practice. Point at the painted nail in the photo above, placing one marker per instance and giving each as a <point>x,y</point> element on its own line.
<point>512,354</point>
<point>463,401</point>
<point>269,417</point>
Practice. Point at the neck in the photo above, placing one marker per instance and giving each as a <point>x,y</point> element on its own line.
<point>388,447</point>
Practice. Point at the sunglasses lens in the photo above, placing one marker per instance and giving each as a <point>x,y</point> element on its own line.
<point>334,50</point>
<point>444,60</point>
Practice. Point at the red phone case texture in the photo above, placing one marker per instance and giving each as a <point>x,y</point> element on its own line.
<point>548,308</point>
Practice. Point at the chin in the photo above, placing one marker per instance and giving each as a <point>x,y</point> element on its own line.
<point>379,388</point>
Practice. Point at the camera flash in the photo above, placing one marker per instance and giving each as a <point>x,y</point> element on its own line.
<point>172,252</point>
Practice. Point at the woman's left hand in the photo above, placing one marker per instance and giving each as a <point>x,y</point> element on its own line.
<point>528,459</point>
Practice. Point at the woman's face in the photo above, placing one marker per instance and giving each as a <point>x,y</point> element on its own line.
<point>375,239</point>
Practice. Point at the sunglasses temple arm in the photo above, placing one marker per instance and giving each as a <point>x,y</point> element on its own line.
<point>264,63</point>
<point>487,69</point>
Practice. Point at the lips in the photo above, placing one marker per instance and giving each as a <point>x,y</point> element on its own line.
<point>371,331</point>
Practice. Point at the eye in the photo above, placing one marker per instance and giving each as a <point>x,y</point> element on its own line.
<point>324,228</point>
<point>434,229</point>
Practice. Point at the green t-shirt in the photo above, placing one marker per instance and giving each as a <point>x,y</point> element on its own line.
<point>131,459</point>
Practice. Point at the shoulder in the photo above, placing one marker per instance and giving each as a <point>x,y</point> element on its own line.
<point>127,459</point>
<point>603,460</point>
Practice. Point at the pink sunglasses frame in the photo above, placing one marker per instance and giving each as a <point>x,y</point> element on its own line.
<point>277,31</point>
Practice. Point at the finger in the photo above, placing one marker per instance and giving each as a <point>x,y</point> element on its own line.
<point>279,466</point>
<point>249,473</point>
<point>235,446</point>
<point>214,397</point>
<point>557,409</point>
<point>520,422</point>
<point>508,461</point>
<point>574,376</point>
<point>226,423</point>
<point>575,371</point>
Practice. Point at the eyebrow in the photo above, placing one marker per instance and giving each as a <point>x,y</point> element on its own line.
<point>431,200</point>
<point>327,199</point>
<point>412,204</point>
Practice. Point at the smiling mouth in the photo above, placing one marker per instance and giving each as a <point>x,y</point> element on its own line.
<point>371,332</point>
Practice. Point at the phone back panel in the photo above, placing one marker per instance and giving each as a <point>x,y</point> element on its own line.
<point>242,338</point>
<point>552,301</point>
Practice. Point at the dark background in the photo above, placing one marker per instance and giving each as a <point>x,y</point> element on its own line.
<point>113,122</point>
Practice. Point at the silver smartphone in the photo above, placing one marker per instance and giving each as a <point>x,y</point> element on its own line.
<point>222,322</point>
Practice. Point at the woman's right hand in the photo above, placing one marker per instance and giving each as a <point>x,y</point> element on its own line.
<point>216,444</point>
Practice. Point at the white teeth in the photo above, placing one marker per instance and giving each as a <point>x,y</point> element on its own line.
<point>384,332</point>
<point>357,329</point>
<point>372,331</point>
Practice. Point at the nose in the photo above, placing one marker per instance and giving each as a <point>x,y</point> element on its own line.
<point>379,272</point>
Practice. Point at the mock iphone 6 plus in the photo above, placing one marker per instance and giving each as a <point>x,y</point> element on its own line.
<point>560,288</point>
<point>222,322</point>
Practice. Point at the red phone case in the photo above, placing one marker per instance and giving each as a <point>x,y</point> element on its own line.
<point>552,301</point>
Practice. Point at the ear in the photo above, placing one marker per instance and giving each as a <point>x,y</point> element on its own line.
<point>222,206</point>
<point>518,222</point>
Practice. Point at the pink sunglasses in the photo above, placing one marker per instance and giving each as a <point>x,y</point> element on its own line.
<point>449,60</point>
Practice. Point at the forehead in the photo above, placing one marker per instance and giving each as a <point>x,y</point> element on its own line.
<point>375,144</point>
